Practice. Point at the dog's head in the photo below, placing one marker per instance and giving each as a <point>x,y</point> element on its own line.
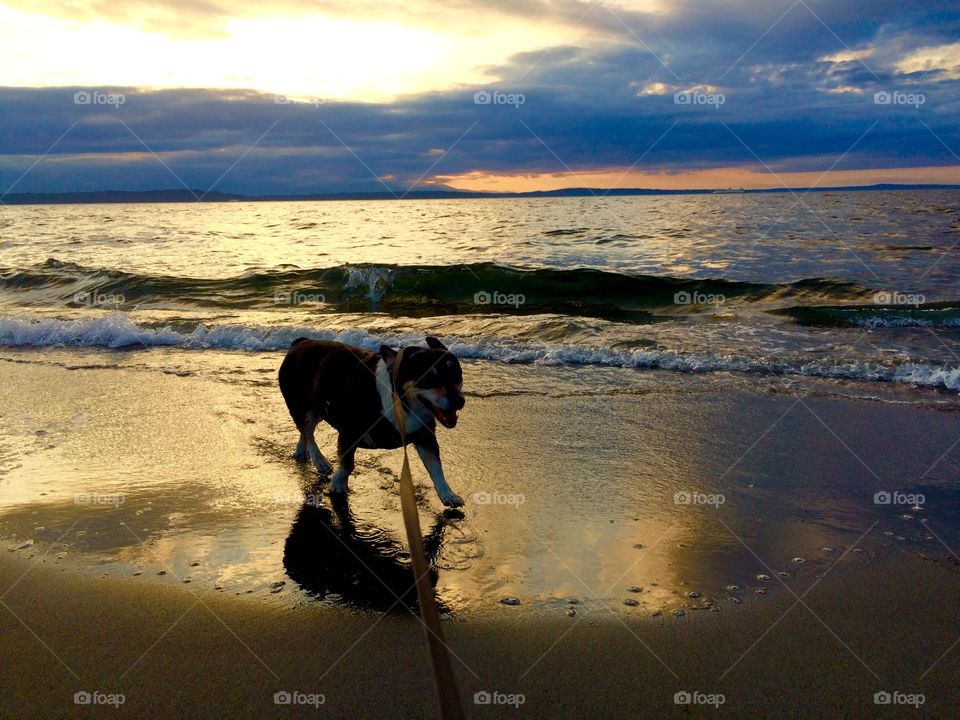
<point>429,378</point>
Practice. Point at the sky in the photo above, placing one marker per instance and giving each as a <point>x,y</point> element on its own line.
<point>321,96</point>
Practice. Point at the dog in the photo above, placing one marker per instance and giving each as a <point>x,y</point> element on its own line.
<point>352,389</point>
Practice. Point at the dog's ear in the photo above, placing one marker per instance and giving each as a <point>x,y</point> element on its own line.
<point>435,344</point>
<point>388,354</point>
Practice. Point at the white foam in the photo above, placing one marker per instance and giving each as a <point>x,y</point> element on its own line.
<point>375,280</point>
<point>878,322</point>
<point>118,331</point>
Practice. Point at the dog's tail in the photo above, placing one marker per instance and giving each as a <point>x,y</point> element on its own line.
<point>298,341</point>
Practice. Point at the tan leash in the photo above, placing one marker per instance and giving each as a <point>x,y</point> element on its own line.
<point>447,691</point>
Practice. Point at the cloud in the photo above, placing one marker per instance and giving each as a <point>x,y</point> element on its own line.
<point>943,61</point>
<point>211,18</point>
<point>798,95</point>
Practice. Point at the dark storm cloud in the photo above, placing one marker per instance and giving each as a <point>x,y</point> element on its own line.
<point>600,105</point>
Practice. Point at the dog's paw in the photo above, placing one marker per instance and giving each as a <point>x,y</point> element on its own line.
<point>338,485</point>
<point>451,500</point>
<point>301,454</point>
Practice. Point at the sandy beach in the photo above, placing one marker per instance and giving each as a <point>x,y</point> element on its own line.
<point>690,561</point>
<point>176,652</point>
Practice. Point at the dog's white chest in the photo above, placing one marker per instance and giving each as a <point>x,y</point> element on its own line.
<point>412,421</point>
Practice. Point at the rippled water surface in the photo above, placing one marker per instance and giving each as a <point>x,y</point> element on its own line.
<point>837,285</point>
<point>617,351</point>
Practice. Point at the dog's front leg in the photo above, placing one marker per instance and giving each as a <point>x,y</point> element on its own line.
<point>346,450</point>
<point>429,452</point>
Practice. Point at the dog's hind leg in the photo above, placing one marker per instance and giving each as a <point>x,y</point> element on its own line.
<point>346,452</point>
<point>319,461</point>
<point>301,454</point>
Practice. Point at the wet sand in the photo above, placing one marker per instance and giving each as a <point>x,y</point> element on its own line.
<point>683,514</point>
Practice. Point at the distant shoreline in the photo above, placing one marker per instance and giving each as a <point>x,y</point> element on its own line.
<point>175,196</point>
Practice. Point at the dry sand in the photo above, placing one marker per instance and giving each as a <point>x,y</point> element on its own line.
<point>177,652</point>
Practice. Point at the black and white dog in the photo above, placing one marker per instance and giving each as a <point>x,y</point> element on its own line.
<point>352,389</point>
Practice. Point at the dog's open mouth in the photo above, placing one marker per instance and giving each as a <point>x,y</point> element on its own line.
<point>447,418</point>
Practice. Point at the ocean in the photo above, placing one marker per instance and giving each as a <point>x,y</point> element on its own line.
<point>655,386</point>
<point>859,285</point>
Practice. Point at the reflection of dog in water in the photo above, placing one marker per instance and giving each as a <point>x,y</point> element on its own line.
<point>327,553</point>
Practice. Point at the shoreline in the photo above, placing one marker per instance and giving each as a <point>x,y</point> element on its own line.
<point>115,465</point>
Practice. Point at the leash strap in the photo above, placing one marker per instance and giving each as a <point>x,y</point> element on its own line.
<point>447,691</point>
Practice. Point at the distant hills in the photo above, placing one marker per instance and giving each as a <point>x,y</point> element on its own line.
<point>176,195</point>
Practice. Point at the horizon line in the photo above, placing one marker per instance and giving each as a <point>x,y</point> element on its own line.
<point>195,195</point>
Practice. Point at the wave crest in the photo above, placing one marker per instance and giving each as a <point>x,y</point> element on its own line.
<point>119,331</point>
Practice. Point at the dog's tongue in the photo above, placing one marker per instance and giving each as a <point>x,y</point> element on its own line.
<point>448,418</point>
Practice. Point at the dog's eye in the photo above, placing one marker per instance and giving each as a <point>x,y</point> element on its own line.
<point>434,372</point>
